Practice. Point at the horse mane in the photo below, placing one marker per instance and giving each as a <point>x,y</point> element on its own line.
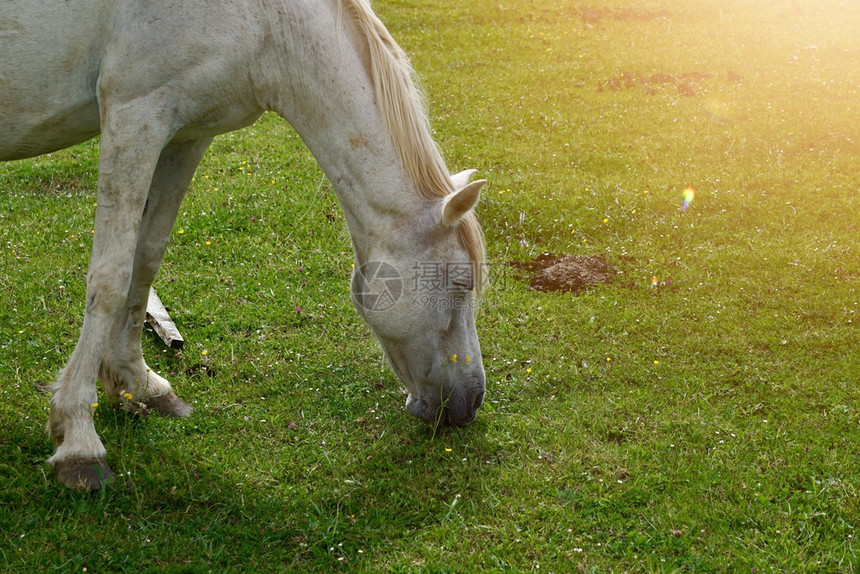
<point>404,112</point>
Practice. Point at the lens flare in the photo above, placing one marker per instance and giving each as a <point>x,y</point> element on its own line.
<point>689,195</point>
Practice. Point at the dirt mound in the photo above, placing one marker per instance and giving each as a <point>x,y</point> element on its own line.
<point>567,273</point>
<point>595,15</point>
<point>688,84</point>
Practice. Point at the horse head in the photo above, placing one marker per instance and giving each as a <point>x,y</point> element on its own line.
<point>422,308</point>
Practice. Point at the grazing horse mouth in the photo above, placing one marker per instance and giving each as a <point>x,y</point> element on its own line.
<point>456,404</point>
<point>457,408</point>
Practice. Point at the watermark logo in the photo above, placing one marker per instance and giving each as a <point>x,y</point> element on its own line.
<point>378,286</point>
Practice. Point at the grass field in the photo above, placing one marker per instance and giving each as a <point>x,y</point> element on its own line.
<point>708,423</point>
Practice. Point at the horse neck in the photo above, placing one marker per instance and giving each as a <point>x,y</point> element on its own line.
<point>324,89</point>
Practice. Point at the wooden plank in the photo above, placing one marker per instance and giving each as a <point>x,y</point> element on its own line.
<point>157,316</point>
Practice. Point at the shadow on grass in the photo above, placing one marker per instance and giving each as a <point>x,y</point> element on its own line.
<point>173,510</point>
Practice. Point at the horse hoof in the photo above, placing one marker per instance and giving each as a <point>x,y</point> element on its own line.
<point>83,473</point>
<point>169,405</point>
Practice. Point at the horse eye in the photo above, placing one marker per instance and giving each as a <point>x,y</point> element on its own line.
<point>462,285</point>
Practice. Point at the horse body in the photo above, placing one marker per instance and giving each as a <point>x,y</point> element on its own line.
<point>47,81</point>
<point>158,80</point>
<point>65,64</point>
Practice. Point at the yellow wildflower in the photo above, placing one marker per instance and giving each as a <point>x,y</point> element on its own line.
<point>454,358</point>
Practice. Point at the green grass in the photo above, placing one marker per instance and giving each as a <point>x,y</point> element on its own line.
<point>709,424</point>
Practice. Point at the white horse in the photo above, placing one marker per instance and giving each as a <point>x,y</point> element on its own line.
<point>158,80</point>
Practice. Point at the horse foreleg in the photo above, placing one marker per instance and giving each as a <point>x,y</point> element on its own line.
<point>123,372</point>
<point>127,160</point>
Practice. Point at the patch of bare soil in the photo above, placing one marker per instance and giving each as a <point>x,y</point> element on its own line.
<point>566,273</point>
<point>592,15</point>
<point>688,84</point>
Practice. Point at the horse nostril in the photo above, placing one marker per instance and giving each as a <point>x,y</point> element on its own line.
<point>479,400</point>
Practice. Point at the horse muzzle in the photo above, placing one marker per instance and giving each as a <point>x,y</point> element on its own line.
<point>457,405</point>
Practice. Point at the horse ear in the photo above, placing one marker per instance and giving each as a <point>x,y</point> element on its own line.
<point>462,179</point>
<point>460,203</point>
